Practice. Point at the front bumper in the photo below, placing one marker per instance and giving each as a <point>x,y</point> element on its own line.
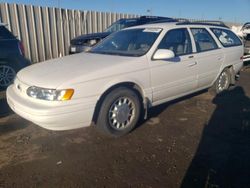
<point>55,116</point>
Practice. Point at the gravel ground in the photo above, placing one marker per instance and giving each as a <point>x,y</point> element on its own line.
<point>197,141</point>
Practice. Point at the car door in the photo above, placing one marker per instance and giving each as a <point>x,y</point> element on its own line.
<point>171,78</point>
<point>209,56</point>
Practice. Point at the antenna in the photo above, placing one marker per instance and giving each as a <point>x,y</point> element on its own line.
<point>150,12</point>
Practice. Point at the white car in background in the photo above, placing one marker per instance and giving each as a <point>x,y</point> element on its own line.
<point>244,33</point>
<point>128,72</point>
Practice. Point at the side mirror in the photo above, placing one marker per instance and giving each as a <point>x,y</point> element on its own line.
<point>163,54</point>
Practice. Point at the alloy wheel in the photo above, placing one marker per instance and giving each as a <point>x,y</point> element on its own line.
<point>7,75</point>
<point>223,82</point>
<point>121,113</point>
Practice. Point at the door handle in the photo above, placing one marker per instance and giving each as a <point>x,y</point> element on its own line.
<point>191,56</point>
<point>192,64</point>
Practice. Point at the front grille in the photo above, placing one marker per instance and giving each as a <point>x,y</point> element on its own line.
<point>77,42</point>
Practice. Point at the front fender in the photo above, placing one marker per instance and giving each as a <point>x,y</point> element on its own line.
<point>146,92</point>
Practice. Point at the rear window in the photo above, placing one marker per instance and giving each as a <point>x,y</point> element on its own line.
<point>203,40</point>
<point>226,37</point>
<point>5,34</point>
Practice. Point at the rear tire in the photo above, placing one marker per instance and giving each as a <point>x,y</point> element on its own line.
<point>222,83</point>
<point>119,113</point>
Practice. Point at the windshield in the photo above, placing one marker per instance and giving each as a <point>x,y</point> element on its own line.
<point>132,42</point>
<point>121,24</point>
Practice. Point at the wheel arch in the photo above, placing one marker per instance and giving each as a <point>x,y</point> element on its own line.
<point>127,84</point>
<point>232,74</point>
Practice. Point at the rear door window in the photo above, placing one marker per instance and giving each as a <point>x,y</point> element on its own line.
<point>226,37</point>
<point>5,34</point>
<point>203,40</point>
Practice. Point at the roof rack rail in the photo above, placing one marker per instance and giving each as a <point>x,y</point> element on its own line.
<point>164,20</point>
<point>182,19</point>
<point>149,16</point>
<point>206,22</point>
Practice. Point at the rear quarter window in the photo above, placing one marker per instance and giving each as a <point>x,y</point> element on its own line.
<point>5,33</point>
<point>226,37</point>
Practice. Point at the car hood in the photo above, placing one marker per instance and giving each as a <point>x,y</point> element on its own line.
<point>82,38</point>
<point>76,69</point>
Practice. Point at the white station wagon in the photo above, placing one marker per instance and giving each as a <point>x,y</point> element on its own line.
<point>130,71</point>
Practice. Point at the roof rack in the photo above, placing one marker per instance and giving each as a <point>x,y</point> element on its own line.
<point>149,16</point>
<point>207,22</point>
<point>164,20</point>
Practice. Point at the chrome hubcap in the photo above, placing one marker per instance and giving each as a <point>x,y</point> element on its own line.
<point>121,113</point>
<point>223,82</point>
<point>7,75</point>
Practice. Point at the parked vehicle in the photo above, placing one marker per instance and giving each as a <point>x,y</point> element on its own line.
<point>130,71</point>
<point>86,42</point>
<point>244,33</point>
<point>11,57</point>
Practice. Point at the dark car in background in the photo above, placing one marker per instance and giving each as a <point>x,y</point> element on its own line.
<point>86,42</point>
<point>11,57</point>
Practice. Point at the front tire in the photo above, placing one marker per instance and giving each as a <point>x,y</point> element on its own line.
<point>120,112</point>
<point>7,75</point>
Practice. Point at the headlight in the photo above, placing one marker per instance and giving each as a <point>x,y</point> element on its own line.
<point>50,94</point>
<point>92,42</point>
